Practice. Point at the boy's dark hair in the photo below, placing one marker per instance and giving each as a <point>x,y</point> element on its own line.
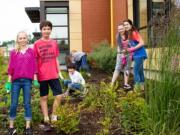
<point>44,24</point>
<point>71,66</point>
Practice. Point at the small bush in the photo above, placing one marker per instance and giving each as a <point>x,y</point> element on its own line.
<point>104,57</point>
<point>90,101</point>
<point>107,99</point>
<point>68,119</point>
<point>20,122</point>
<point>103,98</point>
<point>106,125</point>
<point>133,114</point>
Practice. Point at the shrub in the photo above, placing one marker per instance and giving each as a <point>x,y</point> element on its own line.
<point>133,114</point>
<point>36,109</point>
<point>20,122</point>
<point>107,99</point>
<point>104,57</point>
<point>106,125</point>
<point>90,101</point>
<point>68,119</point>
<point>103,98</point>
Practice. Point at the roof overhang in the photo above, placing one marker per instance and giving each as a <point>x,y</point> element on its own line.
<point>33,14</point>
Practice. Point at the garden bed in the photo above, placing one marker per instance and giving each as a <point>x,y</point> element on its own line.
<point>89,120</point>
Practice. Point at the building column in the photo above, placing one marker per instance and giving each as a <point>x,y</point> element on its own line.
<point>112,22</point>
<point>75,25</point>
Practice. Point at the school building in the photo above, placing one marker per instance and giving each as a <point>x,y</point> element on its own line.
<point>80,24</point>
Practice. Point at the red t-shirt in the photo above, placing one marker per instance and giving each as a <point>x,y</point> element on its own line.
<point>135,36</point>
<point>46,53</point>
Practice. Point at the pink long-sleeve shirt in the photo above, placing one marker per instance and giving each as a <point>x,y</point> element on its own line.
<point>22,65</point>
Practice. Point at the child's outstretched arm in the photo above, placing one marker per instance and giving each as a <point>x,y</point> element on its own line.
<point>82,80</point>
<point>61,76</point>
<point>35,81</point>
<point>59,71</point>
<point>58,67</point>
<point>10,72</point>
<point>140,44</point>
<point>8,84</point>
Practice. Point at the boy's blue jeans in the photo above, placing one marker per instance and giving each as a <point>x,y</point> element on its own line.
<point>82,64</point>
<point>72,86</point>
<point>138,70</point>
<point>26,85</point>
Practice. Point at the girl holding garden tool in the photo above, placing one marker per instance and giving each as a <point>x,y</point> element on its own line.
<point>123,59</point>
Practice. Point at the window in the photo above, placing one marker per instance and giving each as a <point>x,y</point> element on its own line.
<point>58,19</point>
<point>60,32</point>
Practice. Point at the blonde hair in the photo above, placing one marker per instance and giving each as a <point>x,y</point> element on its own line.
<point>17,46</point>
<point>73,51</point>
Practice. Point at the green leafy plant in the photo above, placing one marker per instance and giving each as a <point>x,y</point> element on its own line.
<point>68,119</point>
<point>104,57</point>
<point>20,123</point>
<point>106,125</point>
<point>107,99</point>
<point>36,110</point>
<point>90,101</point>
<point>133,113</point>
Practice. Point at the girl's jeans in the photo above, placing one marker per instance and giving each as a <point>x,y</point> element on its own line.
<point>138,70</point>
<point>72,86</point>
<point>25,84</point>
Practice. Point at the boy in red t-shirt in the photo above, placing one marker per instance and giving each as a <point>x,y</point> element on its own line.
<point>46,51</point>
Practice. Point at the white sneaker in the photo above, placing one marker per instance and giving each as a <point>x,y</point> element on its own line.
<point>89,74</point>
<point>66,94</point>
<point>85,91</point>
<point>53,118</point>
<point>127,86</point>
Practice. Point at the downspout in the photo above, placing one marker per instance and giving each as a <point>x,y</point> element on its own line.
<point>112,23</point>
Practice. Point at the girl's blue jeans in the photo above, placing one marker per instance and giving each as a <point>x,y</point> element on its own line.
<point>17,85</point>
<point>138,70</point>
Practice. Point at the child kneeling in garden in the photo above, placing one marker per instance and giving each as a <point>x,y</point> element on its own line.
<point>76,81</point>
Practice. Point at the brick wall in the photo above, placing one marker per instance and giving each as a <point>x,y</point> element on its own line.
<point>120,13</point>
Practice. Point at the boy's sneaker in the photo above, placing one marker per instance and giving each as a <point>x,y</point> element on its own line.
<point>127,86</point>
<point>89,74</point>
<point>53,118</point>
<point>66,94</point>
<point>28,131</point>
<point>11,131</point>
<point>85,91</point>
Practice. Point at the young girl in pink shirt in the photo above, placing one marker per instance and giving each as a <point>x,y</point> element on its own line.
<point>21,72</point>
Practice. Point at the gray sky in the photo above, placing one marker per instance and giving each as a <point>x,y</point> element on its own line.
<point>13,18</point>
